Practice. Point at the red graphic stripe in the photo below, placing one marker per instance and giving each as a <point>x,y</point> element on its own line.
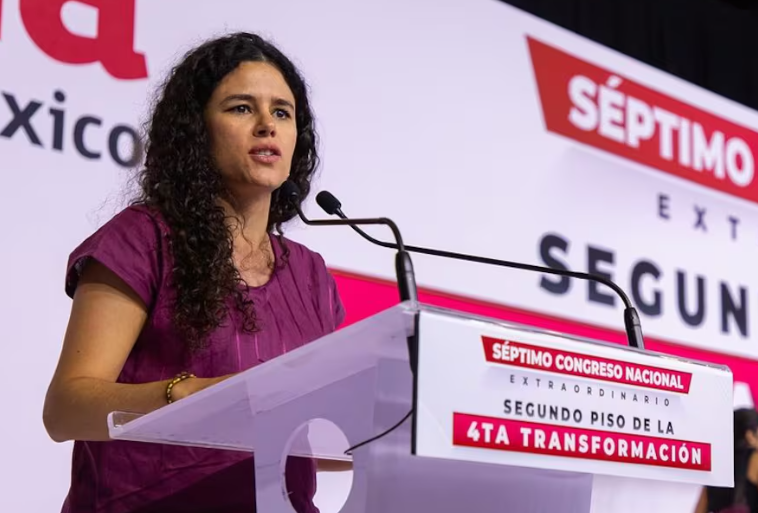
<point>519,354</point>
<point>570,442</point>
<point>604,109</point>
<point>364,296</point>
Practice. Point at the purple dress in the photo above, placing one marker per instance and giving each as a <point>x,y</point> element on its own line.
<point>298,305</point>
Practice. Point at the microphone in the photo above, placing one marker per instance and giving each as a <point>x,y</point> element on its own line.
<point>406,283</point>
<point>406,279</point>
<point>633,327</point>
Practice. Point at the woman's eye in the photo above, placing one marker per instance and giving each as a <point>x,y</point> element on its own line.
<point>282,114</point>
<point>241,109</point>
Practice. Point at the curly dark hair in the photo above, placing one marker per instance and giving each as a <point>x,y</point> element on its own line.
<point>180,180</point>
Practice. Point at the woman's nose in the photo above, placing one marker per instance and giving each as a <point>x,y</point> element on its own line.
<point>265,127</point>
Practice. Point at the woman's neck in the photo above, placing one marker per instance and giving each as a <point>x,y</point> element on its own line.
<point>253,255</point>
<point>248,220</point>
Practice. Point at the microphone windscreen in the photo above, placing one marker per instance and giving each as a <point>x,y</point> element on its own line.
<point>290,191</point>
<point>328,202</point>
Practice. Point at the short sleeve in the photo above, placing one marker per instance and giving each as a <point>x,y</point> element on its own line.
<point>129,246</point>
<point>338,309</point>
<point>329,292</point>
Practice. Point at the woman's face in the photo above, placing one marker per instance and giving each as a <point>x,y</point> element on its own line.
<point>251,123</point>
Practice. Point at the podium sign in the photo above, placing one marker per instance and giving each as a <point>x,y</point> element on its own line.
<point>492,393</point>
<point>507,417</point>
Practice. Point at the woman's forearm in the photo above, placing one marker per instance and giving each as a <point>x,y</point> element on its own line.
<point>78,408</point>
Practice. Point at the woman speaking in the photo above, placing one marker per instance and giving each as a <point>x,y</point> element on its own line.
<point>192,283</point>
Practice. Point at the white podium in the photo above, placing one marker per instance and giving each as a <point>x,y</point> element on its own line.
<point>506,418</point>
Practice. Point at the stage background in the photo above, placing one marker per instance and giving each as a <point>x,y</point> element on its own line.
<point>451,117</point>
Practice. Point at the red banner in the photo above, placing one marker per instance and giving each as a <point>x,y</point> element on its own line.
<point>570,442</point>
<point>604,109</point>
<point>519,354</point>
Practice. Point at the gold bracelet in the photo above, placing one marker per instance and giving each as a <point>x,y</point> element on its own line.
<point>178,379</point>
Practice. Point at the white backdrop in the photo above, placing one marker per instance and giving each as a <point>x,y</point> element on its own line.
<point>429,114</point>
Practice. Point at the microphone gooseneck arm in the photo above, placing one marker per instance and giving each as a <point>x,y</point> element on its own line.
<point>406,279</point>
<point>406,283</point>
<point>329,203</point>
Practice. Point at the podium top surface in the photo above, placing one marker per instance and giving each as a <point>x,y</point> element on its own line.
<point>456,375</point>
<point>195,420</point>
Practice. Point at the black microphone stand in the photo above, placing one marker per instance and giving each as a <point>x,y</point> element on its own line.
<point>332,206</point>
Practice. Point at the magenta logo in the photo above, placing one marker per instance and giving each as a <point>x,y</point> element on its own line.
<point>112,46</point>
